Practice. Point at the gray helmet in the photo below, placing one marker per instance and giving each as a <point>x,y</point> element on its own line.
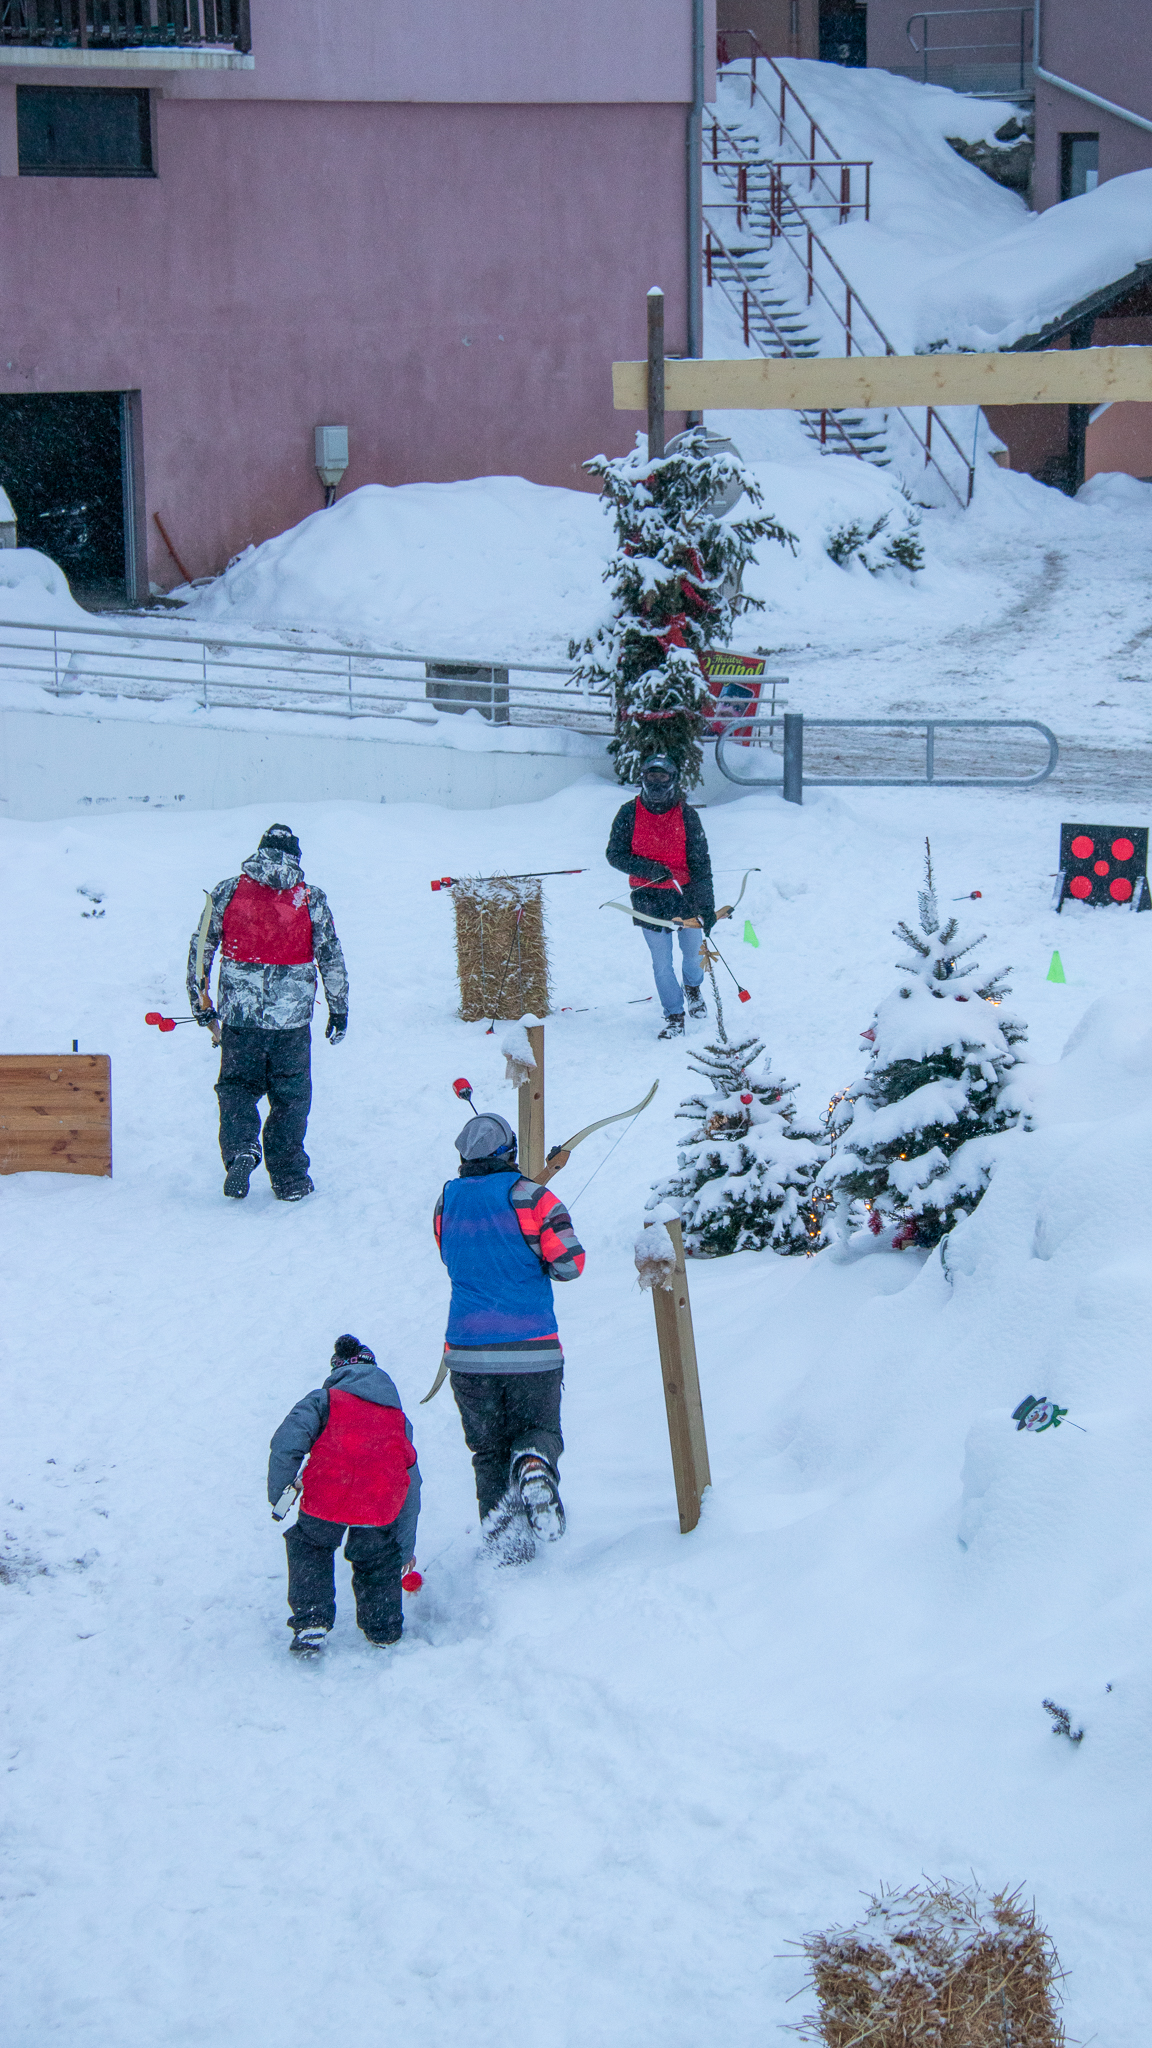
<point>486,1137</point>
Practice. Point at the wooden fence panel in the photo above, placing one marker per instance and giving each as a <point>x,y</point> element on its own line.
<point>56,1113</point>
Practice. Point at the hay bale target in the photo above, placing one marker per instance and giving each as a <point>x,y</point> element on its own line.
<point>957,1968</point>
<point>502,963</point>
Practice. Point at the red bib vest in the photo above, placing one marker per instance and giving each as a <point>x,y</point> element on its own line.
<point>358,1470</point>
<point>660,835</point>
<point>268,927</point>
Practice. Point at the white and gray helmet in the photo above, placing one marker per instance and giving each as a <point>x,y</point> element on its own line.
<point>486,1137</point>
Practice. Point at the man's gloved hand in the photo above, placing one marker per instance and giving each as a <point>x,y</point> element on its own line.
<point>208,1018</point>
<point>336,1026</point>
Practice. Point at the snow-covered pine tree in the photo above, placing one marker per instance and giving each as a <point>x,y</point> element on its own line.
<point>918,1140</point>
<point>675,580</point>
<point>747,1174</point>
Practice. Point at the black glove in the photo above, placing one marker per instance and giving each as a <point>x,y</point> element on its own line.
<point>336,1026</point>
<point>206,1017</point>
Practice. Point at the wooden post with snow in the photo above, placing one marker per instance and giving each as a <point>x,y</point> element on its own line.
<point>530,1140</point>
<point>681,1379</point>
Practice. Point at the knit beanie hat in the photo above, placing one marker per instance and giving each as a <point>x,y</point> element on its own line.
<point>485,1137</point>
<point>281,839</point>
<point>347,1348</point>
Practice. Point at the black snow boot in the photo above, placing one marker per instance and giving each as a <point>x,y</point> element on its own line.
<point>296,1191</point>
<point>309,1642</point>
<point>240,1173</point>
<point>697,1007</point>
<point>673,1026</point>
<point>536,1482</point>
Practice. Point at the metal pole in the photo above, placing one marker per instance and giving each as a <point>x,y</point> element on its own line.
<point>695,192</point>
<point>793,757</point>
<point>655,374</point>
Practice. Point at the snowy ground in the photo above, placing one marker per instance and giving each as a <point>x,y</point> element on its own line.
<point>598,1798</point>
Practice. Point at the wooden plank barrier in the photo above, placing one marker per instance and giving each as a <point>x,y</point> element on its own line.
<point>1052,376</point>
<point>677,1343</point>
<point>56,1113</point>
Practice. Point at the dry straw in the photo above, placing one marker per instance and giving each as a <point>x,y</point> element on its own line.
<point>936,1967</point>
<point>490,949</point>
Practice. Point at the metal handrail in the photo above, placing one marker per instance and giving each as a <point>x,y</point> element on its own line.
<point>778,228</point>
<point>928,49</point>
<point>895,724</point>
<point>150,665</point>
<point>787,89</point>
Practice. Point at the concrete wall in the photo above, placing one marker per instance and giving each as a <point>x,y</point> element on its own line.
<point>973,67</point>
<point>451,282</point>
<point>783,28</point>
<point>1105,47</point>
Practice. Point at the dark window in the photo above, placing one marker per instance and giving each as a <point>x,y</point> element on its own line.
<point>83,132</point>
<point>1079,165</point>
<point>62,465</point>
<point>843,32</point>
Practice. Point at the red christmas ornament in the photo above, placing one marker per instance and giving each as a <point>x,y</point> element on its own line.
<point>745,1099</point>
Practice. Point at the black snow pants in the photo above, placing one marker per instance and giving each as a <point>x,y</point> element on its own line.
<point>277,1064</point>
<point>505,1414</point>
<point>374,1555</point>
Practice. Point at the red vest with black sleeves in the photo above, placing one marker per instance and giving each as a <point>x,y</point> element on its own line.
<point>660,835</point>
<point>358,1468</point>
<point>267,927</point>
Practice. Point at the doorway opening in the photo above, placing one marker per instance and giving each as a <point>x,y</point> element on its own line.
<point>70,463</point>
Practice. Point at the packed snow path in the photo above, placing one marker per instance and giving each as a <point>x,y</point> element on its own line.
<point>597,1798</point>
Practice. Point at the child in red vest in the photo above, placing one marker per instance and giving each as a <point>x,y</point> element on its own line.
<point>658,842</point>
<point>361,1479</point>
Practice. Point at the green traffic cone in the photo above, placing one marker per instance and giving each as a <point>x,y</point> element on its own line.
<point>750,938</point>
<point>1056,971</point>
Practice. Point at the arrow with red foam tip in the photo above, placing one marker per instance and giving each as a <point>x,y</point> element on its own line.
<point>537,875</point>
<point>163,1023</point>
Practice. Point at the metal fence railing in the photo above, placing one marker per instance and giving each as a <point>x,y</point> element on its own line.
<point>148,663</point>
<point>125,24</point>
<point>783,740</point>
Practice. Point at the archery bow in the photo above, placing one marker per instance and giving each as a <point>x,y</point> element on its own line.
<point>560,1154</point>
<point>202,996</point>
<point>673,924</point>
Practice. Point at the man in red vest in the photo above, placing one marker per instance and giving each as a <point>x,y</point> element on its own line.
<point>658,842</point>
<point>360,1480</point>
<point>274,931</point>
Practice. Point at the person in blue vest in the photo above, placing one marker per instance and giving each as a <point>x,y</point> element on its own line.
<point>504,1239</point>
<point>274,931</point>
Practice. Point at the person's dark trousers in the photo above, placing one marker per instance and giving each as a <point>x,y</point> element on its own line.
<point>277,1064</point>
<point>374,1555</point>
<point>505,1414</point>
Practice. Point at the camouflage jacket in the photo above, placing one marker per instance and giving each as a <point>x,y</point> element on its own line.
<point>272,998</point>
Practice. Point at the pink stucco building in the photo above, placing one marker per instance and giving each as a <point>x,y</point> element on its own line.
<point>435,227</point>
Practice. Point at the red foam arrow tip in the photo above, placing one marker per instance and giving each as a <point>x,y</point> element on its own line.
<point>152,1016</point>
<point>412,1582</point>
<point>744,996</point>
<point>462,1088</point>
<point>167,1023</point>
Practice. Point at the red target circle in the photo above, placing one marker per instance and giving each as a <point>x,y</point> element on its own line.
<point>1082,847</point>
<point>1120,890</point>
<point>1100,867</point>
<point>1122,849</point>
<point>1080,886</point>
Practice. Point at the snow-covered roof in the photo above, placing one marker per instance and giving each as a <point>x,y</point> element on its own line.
<point>1028,281</point>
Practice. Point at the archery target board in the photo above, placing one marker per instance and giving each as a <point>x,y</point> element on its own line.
<point>1104,864</point>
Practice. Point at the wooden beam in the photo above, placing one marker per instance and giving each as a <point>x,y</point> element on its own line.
<point>530,1137</point>
<point>677,1343</point>
<point>56,1113</point>
<point>1055,376</point>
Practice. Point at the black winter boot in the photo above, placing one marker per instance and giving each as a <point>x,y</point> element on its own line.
<point>240,1173</point>
<point>673,1026</point>
<point>309,1642</point>
<point>536,1482</point>
<point>694,997</point>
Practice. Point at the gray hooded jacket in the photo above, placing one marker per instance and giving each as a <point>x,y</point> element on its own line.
<point>273,998</point>
<point>303,1424</point>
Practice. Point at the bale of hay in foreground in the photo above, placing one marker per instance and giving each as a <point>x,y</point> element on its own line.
<point>491,949</point>
<point>936,1967</point>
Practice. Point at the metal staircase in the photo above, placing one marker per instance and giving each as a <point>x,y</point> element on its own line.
<point>764,204</point>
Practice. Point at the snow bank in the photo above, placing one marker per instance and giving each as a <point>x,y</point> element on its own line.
<point>490,566</point>
<point>34,588</point>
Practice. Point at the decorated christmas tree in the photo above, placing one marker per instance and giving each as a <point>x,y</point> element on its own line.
<point>675,581</point>
<point>918,1140</point>
<point>747,1174</point>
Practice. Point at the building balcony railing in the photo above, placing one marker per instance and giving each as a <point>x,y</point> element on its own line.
<point>125,24</point>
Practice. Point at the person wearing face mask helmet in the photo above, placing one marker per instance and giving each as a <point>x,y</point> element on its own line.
<point>658,842</point>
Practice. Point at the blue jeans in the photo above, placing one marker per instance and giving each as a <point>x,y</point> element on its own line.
<point>659,944</point>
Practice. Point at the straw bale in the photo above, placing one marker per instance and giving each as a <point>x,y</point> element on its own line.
<point>487,942</point>
<point>936,1967</point>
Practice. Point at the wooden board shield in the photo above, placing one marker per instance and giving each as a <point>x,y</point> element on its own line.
<point>56,1113</point>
